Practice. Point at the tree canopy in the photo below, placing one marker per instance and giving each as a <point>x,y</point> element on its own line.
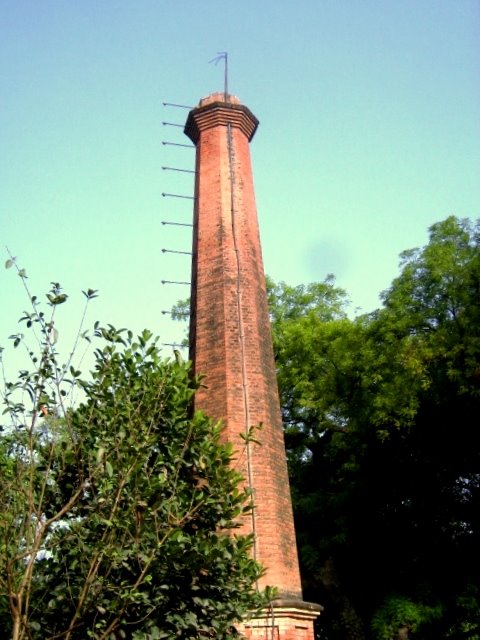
<point>381,428</point>
<point>118,514</point>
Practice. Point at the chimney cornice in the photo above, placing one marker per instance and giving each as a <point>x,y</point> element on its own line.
<point>220,113</point>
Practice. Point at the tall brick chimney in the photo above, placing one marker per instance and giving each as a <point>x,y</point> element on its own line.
<point>230,343</point>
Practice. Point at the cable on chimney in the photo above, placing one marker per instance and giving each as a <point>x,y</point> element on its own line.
<point>241,334</point>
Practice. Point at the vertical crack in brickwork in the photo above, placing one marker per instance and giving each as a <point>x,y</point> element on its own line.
<point>241,332</point>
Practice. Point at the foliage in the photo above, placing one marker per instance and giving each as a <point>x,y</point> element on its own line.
<point>181,310</point>
<point>399,614</point>
<point>380,417</point>
<point>465,618</point>
<point>114,513</point>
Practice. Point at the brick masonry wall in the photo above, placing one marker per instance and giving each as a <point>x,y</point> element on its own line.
<point>230,330</point>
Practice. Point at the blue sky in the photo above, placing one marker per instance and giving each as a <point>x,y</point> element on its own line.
<point>369,133</point>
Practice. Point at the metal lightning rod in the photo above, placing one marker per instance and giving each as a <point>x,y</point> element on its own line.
<point>223,55</point>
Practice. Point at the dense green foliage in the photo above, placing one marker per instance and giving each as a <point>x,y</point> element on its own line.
<point>381,418</point>
<point>114,513</point>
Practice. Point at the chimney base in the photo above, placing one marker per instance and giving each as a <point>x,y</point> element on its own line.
<point>283,620</point>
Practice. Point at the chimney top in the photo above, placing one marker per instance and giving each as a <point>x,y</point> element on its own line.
<point>218,96</point>
<point>214,111</point>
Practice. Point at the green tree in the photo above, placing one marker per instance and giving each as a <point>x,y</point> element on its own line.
<point>117,515</point>
<point>380,417</point>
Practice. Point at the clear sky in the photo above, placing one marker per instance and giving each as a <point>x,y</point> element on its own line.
<point>369,133</point>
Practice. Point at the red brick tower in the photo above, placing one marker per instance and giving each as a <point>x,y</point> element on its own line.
<point>231,344</point>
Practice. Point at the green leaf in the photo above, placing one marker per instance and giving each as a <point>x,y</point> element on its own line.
<point>90,293</point>
<point>56,299</point>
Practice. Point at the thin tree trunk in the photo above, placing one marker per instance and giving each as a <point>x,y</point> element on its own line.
<point>16,628</point>
<point>403,633</point>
